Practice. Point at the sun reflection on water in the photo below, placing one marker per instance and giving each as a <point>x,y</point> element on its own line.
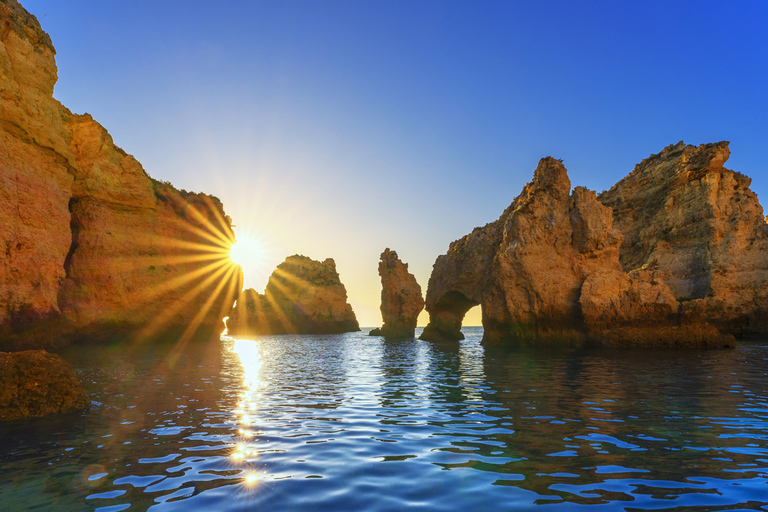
<point>245,452</point>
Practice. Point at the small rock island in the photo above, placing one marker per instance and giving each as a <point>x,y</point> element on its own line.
<point>303,296</point>
<point>401,299</point>
<point>674,255</point>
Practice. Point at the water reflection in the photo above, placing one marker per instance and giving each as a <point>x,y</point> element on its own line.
<point>351,422</point>
<point>245,452</point>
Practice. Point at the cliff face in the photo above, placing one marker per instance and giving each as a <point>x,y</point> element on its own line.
<point>673,255</point>
<point>526,269</point>
<point>303,296</point>
<point>401,299</point>
<point>91,244</point>
<point>683,213</point>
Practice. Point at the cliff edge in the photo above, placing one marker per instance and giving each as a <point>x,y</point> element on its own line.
<point>92,246</point>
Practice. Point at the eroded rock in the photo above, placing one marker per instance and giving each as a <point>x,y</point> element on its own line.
<point>35,383</point>
<point>526,269</point>
<point>639,310</point>
<point>90,245</point>
<point>673,255</point>
<point>683,213</point>
<point>401,299</point>
<point>303,296</point>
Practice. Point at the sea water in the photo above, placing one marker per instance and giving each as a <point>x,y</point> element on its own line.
<point>357,423</point>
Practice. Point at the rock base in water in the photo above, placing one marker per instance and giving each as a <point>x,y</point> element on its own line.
<point>35,383</point>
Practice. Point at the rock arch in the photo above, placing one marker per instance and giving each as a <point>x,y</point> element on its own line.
<point>446,316</point>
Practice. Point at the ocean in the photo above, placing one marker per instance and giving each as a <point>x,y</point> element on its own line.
<point>357,423</point>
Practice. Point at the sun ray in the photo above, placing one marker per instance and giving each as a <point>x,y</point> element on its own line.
<point>198,318</point>
<point>223,224</point>
<point>235,284</point>
<point>214,233</point>
<point>179,281</point>
<point>163,316</point>
<point>282,317</point>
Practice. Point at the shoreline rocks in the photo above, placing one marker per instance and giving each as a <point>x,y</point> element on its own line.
<point>303,296</point>
<point>34,383</point>
<point>401,299</point>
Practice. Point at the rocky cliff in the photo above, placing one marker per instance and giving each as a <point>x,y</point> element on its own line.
<point>673,255</point>
<point>683,213</point>
<point>526,269</point>
<point>401,299</point>
<point>303,296</point>
<point>92,246</point>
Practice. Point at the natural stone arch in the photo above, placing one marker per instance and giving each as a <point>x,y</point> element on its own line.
<point>446,316</point>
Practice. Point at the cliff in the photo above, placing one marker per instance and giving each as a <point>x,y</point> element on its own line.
<point>401,299</point>
<point>303,296</point>
<point>526,269</point>
<point>683,213</point>
<point>93,247</point>
<point>673,255</point>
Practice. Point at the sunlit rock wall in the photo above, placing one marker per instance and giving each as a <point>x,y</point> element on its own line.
<point>303,296</point>
<point>526,269</point>
<point>92,246</point>
<point>683,213</point>
<point>675,254</point>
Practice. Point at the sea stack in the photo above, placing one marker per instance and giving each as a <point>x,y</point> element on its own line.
<point>303,296</point>
<point>674,255</point>
<point>401,299</point>
<point>92,247</point>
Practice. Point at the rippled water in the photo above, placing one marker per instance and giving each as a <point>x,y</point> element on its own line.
<point>350,422</point>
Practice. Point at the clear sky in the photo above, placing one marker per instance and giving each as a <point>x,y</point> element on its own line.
<point>338,128</point>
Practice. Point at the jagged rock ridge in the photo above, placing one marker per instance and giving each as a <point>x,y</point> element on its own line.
<point>303,296</point>
<point>553,267</point>
<point>401,299</point>
<point>92,246</point>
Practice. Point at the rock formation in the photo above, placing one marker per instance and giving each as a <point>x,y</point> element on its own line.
<point>638,310</point>
<point>401,299</point>
<point>683,213</point>
<point>303,296</point>
<point>92,246</point>
<point>678,243</point>
<point>36,383</point>
<point>527,268</point>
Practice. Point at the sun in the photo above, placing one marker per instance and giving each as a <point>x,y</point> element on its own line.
<point>246,252</point>
<point>254,255</point>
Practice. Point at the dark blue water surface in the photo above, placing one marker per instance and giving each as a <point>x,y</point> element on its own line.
<point>357,423</point>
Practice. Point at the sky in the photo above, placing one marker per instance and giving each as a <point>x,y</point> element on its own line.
<point>340,128</point>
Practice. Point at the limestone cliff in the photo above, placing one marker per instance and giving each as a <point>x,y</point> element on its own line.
<point>673,255</point>
<point>527,268</point>
<point>683,213</point>
<point>91,244</point>
<point>303,296</point>
<point>401,299</point>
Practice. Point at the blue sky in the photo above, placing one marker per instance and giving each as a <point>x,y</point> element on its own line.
<point>339,128</point>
